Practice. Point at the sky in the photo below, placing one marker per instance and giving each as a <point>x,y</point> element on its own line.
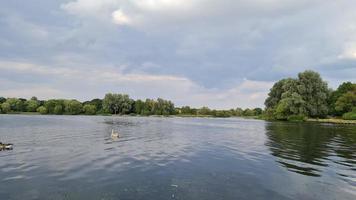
<point>216,53</point>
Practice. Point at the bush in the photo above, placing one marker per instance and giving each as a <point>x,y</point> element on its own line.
<point>5,107</point>
<point>89,109</point>
<point>349,116</point>
<point>42,110</point>
<point>296,118</point>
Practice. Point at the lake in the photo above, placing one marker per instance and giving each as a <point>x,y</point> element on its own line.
<point>73,157</point>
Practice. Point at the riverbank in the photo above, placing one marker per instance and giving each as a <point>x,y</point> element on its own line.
<point>333,121</point>
<point>328,120</point>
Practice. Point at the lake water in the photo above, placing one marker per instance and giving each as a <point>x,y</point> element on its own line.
<point>73,157</point>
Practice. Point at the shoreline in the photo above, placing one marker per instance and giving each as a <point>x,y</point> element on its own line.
<point>332,121</point>
<point>313,120</point>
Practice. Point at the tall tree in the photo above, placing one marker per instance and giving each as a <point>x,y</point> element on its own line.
<point>117,103</point>
<point>315,93</point>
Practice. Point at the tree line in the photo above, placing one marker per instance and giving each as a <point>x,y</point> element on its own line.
<point>308,96</point>
<point>112,103</point>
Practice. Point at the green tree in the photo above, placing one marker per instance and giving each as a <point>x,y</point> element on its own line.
<point>58,109</point>
<point>335,95</point>
<point>315,93</point>
<point>308,95</point>
<point>138,107</point>
<point>5,107</point>
<point>275,94</point>
<point>15,104</point>
<point>72,107</point>
<point>42,110</point>
<point>248,112</point>
<point>32,105</point>
<point>2,100</point>
<point>98,103</point>
<point>149,107</point>
<point>89,109</point>
<point>50,104</point>
<point>346,102</point>
<point>239,112</point>
<point>117,103</point>
<point>258,111</point>
<point>204,111</point>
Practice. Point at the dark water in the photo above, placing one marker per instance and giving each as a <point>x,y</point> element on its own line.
<point>73,157</point>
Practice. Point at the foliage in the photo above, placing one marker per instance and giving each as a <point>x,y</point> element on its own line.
<point>98,103</point>
<point>72,107</point>
<point>305,96</point>
<point>335,95</point>
<point>58,109</point>
<point>117,103</point>
<point>349,115</point>
<point>5,107</point>
<point>346,102</point>
<point>296,118</point>
<point>32,105</point>
<point>16,104</point>
<point>2,100</point>
<point>89,109</point>
<point>42,110</point>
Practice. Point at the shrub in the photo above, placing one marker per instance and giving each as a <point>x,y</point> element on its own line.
<point>89,109</point>
<point>5,107</point>
<point>296,118</point>
<point>42,110</point>
<point>349,116</point>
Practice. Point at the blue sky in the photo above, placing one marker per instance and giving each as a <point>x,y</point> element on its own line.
<point>222,54</point>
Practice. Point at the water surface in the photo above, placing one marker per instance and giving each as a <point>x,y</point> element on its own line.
<point>73,157</point>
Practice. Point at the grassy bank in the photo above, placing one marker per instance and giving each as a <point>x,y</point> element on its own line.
<point>333,121</point>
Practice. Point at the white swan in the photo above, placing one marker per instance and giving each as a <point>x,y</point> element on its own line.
<point>5,146</point>
<point>114,134</point>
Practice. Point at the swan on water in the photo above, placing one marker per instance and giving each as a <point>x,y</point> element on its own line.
<point>114,134</point>
<point>5,146</point>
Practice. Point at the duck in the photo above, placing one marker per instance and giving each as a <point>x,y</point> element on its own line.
<point>114,134</point>
<point>5,146</point>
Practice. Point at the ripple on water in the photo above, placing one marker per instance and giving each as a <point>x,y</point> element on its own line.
<point>75,158</point>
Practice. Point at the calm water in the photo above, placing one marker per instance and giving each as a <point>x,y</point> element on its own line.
<point>73,157</point>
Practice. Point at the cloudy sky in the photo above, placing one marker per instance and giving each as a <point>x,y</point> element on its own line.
<point>219,53</point>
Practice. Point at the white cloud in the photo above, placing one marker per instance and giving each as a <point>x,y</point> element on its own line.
<point>120,18</point>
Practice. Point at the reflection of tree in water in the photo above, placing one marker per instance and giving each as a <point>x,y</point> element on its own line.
<point>307,148</point>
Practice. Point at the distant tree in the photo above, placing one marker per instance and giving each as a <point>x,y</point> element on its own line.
<point>89,109</point>
<point>258,111</point>
<point>188,111</point>
<point>138,106</point>
<point>306,96</point>
<point>98,103</point>
<point>58,109</point>
<point>239,112</point>
<point>34,98</point>
<point>204,111</point>
<point>117,103</point>
<point>276,92</point>
<point>42,110</point>
<point>72,107</point>
<point>149,107</point>
<point>32,105</point>
<point>248,112</point>
<point>2,100</point>
<point>335,95</point>
<point>5,107</point>
<point>314,92</point>
<point>17,104</point>
<point>50,105</point>
<point>346,102</point>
